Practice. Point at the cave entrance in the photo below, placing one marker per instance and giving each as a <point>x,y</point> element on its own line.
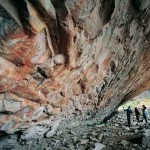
<point>138,101</point>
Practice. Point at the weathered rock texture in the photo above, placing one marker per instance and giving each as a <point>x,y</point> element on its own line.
<point>71,58</point>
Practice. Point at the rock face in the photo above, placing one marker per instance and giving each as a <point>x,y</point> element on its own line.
<point>77,60</point>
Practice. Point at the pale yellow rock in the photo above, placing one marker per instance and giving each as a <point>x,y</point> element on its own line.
<point>35,20</point>
<point>38,23</point>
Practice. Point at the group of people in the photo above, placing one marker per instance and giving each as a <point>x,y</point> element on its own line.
<point>137,114</point>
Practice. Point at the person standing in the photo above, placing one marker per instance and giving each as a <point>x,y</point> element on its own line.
<point>129,112</point>
<point>137,114</point>
<point>145,113</point>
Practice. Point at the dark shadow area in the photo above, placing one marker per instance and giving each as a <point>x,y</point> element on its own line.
<point>3,134</point>
<point>107,13</point>
<point>62,22</point>
<point>24,16</point>
<point>19,133</point>
<point>136,140</point>
<point>7,24</point>
<point>110,116</point>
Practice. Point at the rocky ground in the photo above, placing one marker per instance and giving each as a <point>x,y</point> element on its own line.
<point>113,135</point>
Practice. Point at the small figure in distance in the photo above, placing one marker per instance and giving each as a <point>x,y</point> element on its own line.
<point>137,114</point>
<point>129,112</point>
<point>145,113</point>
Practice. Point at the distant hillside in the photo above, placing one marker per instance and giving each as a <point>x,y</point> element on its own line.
<point>136,103</point>
<point>143,95</point>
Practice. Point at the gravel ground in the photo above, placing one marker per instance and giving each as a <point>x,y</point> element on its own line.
<point>113,135</point>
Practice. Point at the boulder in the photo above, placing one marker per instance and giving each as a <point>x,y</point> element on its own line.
<point>84,141</point>
<point>53,128</point>
<point>34,133</point>
<point>99,146</point>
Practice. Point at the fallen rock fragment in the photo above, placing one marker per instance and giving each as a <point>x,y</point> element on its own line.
<point>99,146</point>
<point>34,133</point>
<point>84,141</point>
<point>54,125</point>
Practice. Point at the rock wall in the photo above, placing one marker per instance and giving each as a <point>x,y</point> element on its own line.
<point>75,60</point>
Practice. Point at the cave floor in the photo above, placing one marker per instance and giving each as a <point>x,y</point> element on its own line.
<point>113,135</point>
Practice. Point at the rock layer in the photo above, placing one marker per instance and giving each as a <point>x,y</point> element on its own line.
<point>77,60</point>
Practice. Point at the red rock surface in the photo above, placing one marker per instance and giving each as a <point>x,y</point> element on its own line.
<point>74,57</point>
